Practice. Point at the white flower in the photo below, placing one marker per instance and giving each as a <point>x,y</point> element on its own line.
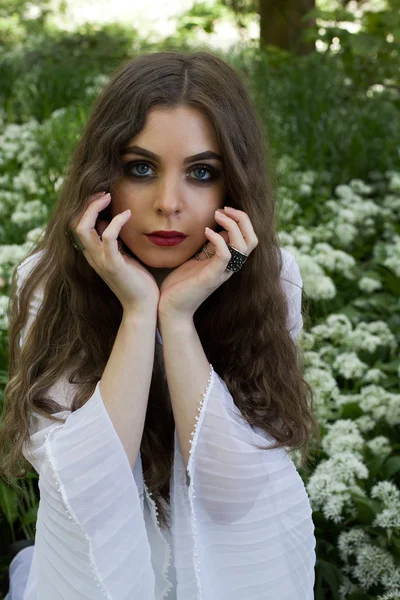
<point>392,260</point>
<point>334,260</point>
<point>4,300</point>
<point>365,423</point>
<point>380,403</point>
<point>392,595</point>
<point>30,211</point>
<point>391,202</point>
<point>379,445</point>
<point>59,112</point>
<point>336,327</point>
<point>369,285</point>
<point>26,181</point>
<point>305,190</point>
<point>346,588</point>
<point>371,564</point>
<point>325,390</point>
<point>349,542</point>
<point>349,366</point>
<point>307,340</point>
<point>369,336</point>
<point>394,182</point>
<point>344,191</point>
<point>313,359</point>
<point>359,187</point>
<point>345,233</point>
<point>302,238</point>
<point>330,485</point>
<point>373,376</point>
<point>342,435</point>
<point>285,239</point>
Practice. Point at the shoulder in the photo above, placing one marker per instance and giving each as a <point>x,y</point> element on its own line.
<point>23,270</point>
<point>26,266</point>
<point>290,272</point>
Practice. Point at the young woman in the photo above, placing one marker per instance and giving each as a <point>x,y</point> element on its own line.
<point>153,377</point>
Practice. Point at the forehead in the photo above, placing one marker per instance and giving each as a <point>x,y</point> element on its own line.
<point>185,127</point>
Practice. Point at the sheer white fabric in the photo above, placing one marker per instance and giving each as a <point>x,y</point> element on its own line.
<point>242,528</point>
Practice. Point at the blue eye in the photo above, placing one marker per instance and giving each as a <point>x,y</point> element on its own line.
<point>143,166</point>
<point>137,164</point>
<point>204,168</point>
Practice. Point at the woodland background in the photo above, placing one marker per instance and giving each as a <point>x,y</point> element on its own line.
<point>324,76</point>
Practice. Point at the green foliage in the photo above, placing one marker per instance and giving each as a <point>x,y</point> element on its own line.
<point>202,16</point>
<point>313,110</point>
<point>54,69</point>
<point>16,26</point>
<point>371,54</point>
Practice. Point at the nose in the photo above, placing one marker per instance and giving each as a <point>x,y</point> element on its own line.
<point>168,199</point>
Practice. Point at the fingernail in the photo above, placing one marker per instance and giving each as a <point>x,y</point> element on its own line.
<point>228,208</point>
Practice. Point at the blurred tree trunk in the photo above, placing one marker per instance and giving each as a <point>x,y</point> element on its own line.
<point>281,25</point>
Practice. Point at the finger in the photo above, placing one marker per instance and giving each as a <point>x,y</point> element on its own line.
<point>110,240</point>
<point>100,226</point>
<point>211,248</point>
<point>86,226</point>
<point>245,225</point>
<point>73,224</point>
<point>222,252</point>
<point>235,234</point>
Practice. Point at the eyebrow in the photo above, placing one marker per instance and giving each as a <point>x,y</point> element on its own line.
<point>188,159</point>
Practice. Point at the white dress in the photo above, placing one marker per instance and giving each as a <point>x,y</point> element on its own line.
<point>242,528</point>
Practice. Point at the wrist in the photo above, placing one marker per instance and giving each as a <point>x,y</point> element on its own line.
<point>177,322</point>
<point>140,313</point>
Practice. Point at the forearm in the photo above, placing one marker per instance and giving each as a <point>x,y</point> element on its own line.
<point>125,383</point>
<point>187,370</point>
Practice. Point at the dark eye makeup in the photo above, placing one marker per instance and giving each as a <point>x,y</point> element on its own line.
<point>214,173</point>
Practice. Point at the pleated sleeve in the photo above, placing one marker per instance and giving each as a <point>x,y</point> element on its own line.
<point>91,539</point>
<point>292,284</point>
<point>251,515</point>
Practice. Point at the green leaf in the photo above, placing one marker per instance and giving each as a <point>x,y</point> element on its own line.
<point>332,575</point>
<point>391,466</point>
<point>395,545</point>
<point>359,596</point>
<point>374,466</point>
<point>367,509</point>
<point>29,516</point>
<point>9,503</point>
<point>364,44</point>
<point>351,410</point>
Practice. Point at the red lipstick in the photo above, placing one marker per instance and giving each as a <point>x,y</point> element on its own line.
<point>166,238</point>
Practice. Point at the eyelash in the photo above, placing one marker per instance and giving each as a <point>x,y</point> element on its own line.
<point>128,166</point>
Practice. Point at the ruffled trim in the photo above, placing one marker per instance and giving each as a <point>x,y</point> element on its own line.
<point>71,514</point>
<point>167,559</point>
<point>193,441</point>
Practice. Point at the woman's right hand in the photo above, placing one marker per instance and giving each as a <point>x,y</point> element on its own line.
<point>131,282</point>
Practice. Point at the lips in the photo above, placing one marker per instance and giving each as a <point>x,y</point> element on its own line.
<point>166,241</point>
<point>167,234</point>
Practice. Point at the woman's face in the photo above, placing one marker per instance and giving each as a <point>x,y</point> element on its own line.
<point>170,190</point>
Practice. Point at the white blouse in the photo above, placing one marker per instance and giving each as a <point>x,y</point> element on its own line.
<point>241,519</point>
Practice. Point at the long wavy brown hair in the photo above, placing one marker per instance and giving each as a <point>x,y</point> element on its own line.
<point>242,325</point>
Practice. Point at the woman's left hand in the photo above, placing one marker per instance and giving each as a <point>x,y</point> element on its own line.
<point>187,286</point>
